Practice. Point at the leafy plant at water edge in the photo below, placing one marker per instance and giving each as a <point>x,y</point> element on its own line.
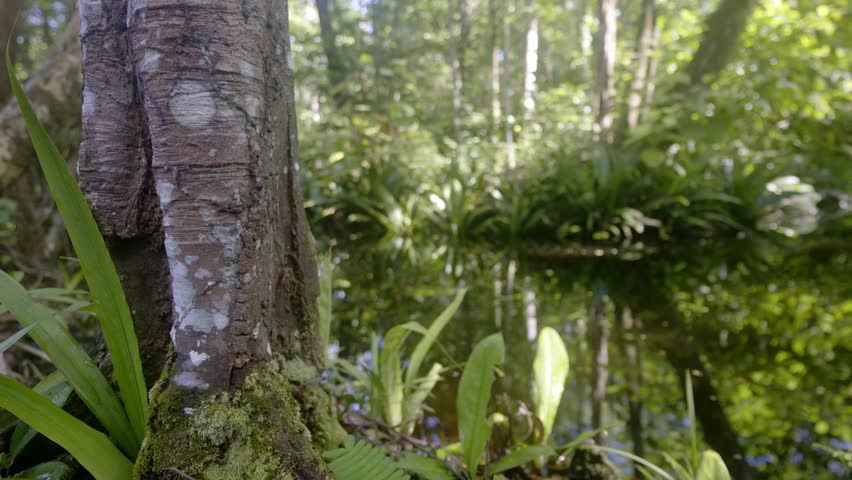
<point>550,369</point>
<point>474,394</point>
<point>396,397</point>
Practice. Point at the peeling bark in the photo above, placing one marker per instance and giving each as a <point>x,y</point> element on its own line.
<point>189,160</point>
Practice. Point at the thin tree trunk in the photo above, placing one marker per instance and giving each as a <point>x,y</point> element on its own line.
<point>599,342</point>
<point>494,76</point>
<point>508,122</point>
<point>334,63</point>
<point>530,310</point>
<point>530,62</point>
<point>628,342</point>
<point>644,43</point>
<point>604,70</point>
<point>189,160</point>
<point>456,73</point>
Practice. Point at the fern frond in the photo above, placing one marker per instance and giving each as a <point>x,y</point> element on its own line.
<point>362,461</point>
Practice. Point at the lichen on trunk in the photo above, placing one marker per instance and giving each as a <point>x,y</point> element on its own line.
<point>189,158</point>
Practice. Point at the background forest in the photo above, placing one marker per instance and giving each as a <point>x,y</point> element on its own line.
<point>665,183</point>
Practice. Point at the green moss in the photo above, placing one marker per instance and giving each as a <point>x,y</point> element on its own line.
<point>262,431</point>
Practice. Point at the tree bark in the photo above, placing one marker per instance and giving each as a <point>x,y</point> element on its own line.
<point>494,75</point>
<point>508,120</point>
<point>334,62</point>
<point>604,70</point>
<point>599,342</point>
<point>530,62</point>
<point>190,162</point>
<point>644,45</point>
<point>720,37</point>
<point>627,335</point>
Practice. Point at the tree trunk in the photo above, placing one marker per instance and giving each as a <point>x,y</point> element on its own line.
<point>190,162</point>
<point>604,70</point>
<point>508,121</point>
<point>599,342</point>
<point>334,63</point>
<point>719,40</point>
<point>628,342</point>
<point>683,355</point>
<point>530,62</point>
<point>455,60</point>
<point>644,42</point>
<point>494,76</point>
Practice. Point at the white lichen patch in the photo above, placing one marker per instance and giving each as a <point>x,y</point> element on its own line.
<point>164,191</point>
<point>150,60</point>
<point>252,106</point>
<point>197,358</point>
<point>88,102</point>
<point>192,104</point>
<point>202,273</point>
<point>190,380</point>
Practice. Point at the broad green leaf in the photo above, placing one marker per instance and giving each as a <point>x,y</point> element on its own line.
<point>107,296</point>
<point>390,370</point>
<point>519,457</point>
<point>425,467</point>
<point>420,390</point>
<point>473,396</point>
<point>325,293</point>
<point>13,339</point>
<point>70,359</point>
<point>712,467</point>
<point>550,369</point>
<point>425,343</point>
<point>52,387</point>
<point>88,446</point>
<point>47,471</point>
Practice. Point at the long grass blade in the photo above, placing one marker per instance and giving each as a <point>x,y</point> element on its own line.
<point>425,343</point>
<point>13,339</point>
<point>52,387</point>
<point>69,357</point>
<point>101,276</point>
<point>90,447</point>
<point>657,470</point>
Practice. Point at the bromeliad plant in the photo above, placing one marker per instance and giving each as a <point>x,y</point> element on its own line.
<point>106,456</point>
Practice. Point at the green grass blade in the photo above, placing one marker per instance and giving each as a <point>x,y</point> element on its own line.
<point>693,431</point>
<point>657,470</point>
<point>52,387</point>
<point>47,471</point>
<point>101,276</point>
<point>474,394</point>
<point>550,369</point>
<point>13,339</point>
<point>70,359</point>
<point>390,371</point>
<point>90,447</point>
<point>419,392</point>
<point>425,343</point>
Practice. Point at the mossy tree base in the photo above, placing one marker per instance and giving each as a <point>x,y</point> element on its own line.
<point>260,431</point>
